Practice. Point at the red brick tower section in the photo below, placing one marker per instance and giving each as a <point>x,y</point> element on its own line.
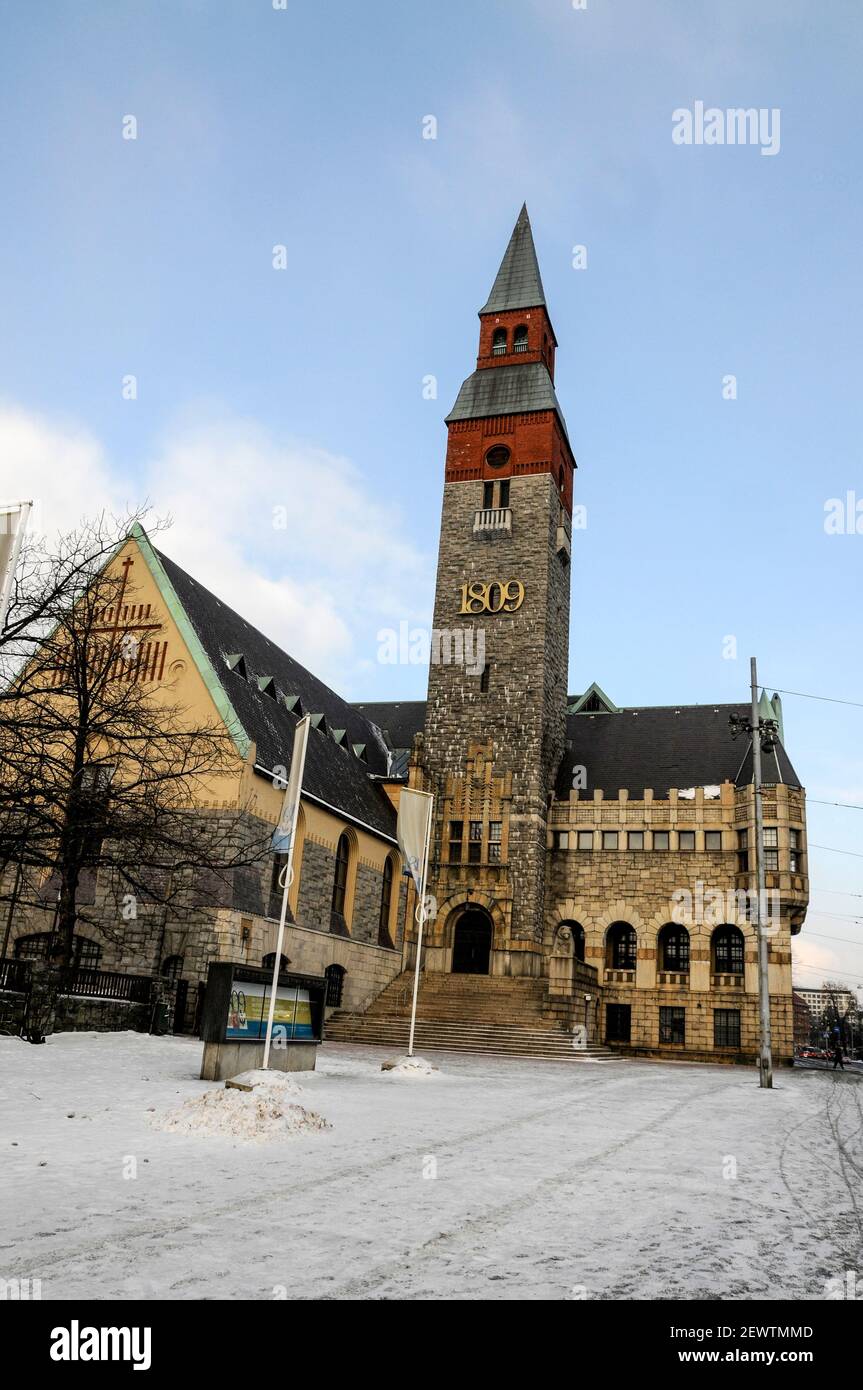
<point>495,720</point>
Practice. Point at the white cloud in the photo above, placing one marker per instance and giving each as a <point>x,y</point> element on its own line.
<point>285,533</point>
<point>60,466</point>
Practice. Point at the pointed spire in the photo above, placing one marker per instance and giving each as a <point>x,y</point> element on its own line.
<point>518,284</point>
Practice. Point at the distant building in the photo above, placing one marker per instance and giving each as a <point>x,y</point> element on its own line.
<point>802,1019</point>
<point>817,1000</point>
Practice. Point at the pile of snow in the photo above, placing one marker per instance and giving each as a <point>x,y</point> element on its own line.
<point>409,1066</point>
<point>263,1076</point>
<point>266,1112</point>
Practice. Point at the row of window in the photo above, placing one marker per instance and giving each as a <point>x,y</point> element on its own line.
<point>672,943</point>
<point>86,954</point>
<point>672,1026</point>
<point>660,840</point>
<point>339,896</point>
<point>500,340</point>
<point>480,849</point>
<point>770,843</point>
<point>635,839</point>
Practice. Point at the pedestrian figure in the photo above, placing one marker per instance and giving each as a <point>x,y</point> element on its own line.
<point>837,1055</point>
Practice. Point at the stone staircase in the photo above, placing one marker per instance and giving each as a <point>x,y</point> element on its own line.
<point>494,1015</point>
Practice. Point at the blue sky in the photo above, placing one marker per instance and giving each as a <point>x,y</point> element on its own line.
<point>259,388</point>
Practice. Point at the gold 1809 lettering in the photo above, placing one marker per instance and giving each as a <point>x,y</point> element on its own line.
<point>495,597</point>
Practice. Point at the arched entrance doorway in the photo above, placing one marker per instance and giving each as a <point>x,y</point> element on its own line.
<point>471,945</point>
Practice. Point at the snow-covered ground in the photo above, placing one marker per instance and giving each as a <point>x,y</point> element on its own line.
<point>492,1178</point>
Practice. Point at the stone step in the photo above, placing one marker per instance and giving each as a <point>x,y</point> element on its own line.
<point>466,1038</point>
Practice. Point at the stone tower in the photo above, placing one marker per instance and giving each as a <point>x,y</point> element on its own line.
<point>495,720</point>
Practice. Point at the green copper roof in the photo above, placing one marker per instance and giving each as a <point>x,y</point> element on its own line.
<point>518,284</point>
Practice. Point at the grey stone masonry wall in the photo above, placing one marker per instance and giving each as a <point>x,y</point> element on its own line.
<point>523,710</point>
<point>316,885</point>
<point>367,904</point>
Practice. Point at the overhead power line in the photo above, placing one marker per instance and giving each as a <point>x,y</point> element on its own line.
<point>847,805</point>
<point>855,854</point>
<point>828,699</point>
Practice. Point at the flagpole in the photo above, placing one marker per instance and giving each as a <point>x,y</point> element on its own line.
<point>23,509</point>
<point>420,915</point>
<point>286,878</point>
<point>288,875</point>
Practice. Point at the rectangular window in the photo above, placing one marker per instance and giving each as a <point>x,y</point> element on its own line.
<point>504,493</point>
<point>795,845</point>
<point>661,839</point>
<point>474,849</point>
<point>794,838</point>
<point>456,835</point>
<point>495,834</point>
<point>771,850</point>
<point>609,839</point>
<point>713,839</point>
<point>635,839</point>
<point>743,839</point>
<point>672,1025</point>
<point>560,839</point>
<point>487,496</point>
<point>726,1027</point>
<point>485,679</point>
<point>585,839</point>
<point>686,840</point>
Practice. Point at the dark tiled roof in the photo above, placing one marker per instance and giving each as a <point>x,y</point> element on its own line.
<point>657,746</point>
<point>332,773</point>
<point>514,389</point>
<point>663,746</point>
<point>397,721</point>
<point>518,284</point>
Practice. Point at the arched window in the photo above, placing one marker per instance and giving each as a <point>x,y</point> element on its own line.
<point>172,968</point>
<point>577,933</point>
<point>498,342</point>
<point>335,978</point>
<point>34,947</point>
<point>384,934</point>
<point>46,945</point>
<point>621,946</point>
<point>269,960</point>
<point>727,943</point>
<point>342,884</point>
<point>674,948</point>
<point>519,338</point>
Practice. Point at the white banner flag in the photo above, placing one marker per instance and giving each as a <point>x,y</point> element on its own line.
<point>13,523</point>
<point>415,810</point>
<point>283,835</point>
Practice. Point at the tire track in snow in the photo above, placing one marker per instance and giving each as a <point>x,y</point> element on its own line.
<point>54,1260</point>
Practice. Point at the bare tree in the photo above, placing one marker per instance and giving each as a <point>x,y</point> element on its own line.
<point>104,771</point>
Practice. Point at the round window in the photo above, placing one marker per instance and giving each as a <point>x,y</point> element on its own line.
<point>498,457</point>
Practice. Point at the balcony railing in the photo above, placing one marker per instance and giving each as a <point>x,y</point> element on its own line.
<point>520,347</point>
<point>494,519</point>
<point>499,350</point>
<point>726,981</point>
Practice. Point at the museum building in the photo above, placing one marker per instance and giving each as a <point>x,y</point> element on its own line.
<point>590,861</point>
